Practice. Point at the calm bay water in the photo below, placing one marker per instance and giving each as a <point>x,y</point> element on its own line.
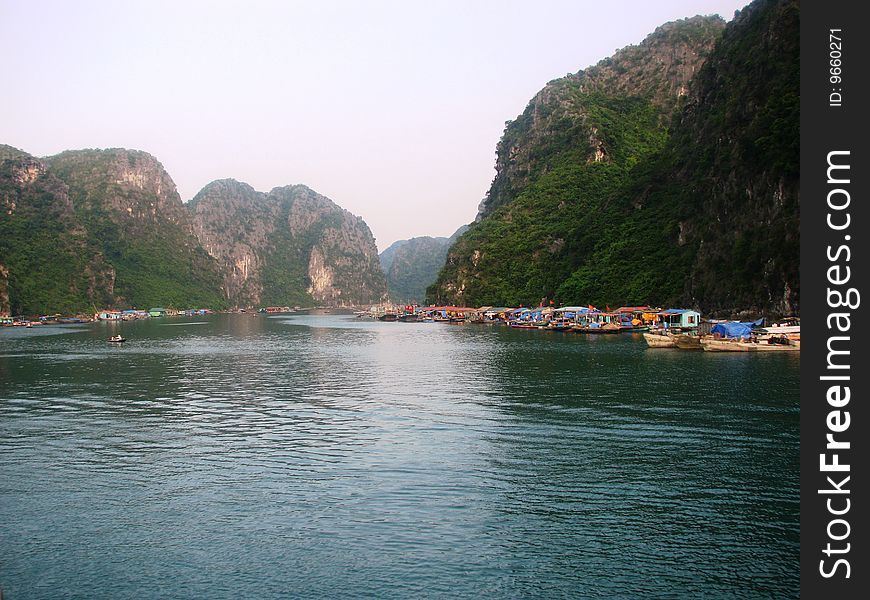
<point>313,456</point>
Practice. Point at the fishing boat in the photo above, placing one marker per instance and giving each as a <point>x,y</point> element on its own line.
<point>634,329</point>
<point>789,327</point>
<point>117,339</point>
<point>655,339</point>
<point>390,316</point>
<point>772,344</point>
<point>687,342</point>
<point>556,325</point>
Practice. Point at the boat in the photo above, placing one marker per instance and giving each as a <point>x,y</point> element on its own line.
<point>771,344</point>
<point>117,339</point>
<point>635,329</point>
<point>655,339</point>
<point>556,325</point>
<point>687,342</point>
<point>409,318</point>
<point>789,327</point>
<point>599,328</point>
<point>390,316</point>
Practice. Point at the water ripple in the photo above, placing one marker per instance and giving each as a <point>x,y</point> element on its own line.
<point>323,456</point>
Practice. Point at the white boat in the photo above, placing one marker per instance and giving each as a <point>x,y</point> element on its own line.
<point>790,328</point>
<point>781,344</point>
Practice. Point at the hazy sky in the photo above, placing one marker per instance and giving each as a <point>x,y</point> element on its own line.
<point>392,109</point>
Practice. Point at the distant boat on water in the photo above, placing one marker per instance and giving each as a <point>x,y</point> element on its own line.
<point>117,339</point>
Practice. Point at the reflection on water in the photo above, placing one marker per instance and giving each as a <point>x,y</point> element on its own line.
<point>321,456</point>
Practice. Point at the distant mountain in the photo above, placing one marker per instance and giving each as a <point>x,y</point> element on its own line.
<point>290,246</point>
<point>412,265</point>
<point>89,229</point>
<point>664,174</point>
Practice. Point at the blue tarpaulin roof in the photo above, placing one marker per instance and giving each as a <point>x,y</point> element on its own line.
<point>733,329</point>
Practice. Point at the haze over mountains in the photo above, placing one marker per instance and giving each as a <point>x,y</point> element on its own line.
<point>412,265</point>
<point>665,174</point>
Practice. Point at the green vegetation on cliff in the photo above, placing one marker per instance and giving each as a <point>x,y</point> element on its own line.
<point>47,261</point>
<point>129,206</point>
<point>598,200</point>
<point>412,265</point>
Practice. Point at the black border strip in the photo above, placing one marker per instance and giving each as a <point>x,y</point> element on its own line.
<point>833,258</point>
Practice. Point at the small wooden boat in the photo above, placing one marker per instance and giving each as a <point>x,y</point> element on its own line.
<point>554,326</point>
<point>601,329</point>
<point>388,317</point>
<point>117,339</point>
<point>687,342</point>
<point>658,340</point>
<point>710,344</point>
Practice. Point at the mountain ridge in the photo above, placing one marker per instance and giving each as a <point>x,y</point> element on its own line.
<point>610,198</point>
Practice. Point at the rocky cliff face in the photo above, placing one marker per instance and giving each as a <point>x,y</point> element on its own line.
<point>567,112</point>
<point>561,162</point>
<point>47,260</point>
<point>737,149</point>
<point>130,207</point>
<point>290,246</point>
<point>597,201</point>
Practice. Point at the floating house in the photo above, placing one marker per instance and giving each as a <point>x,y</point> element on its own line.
<point>679,318</point>
<point>108,315</point>
<point>157,312</point>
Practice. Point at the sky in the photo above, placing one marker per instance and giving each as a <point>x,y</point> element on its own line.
<point>391,109</point>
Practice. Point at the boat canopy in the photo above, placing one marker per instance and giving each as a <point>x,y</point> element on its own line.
<point>732,329</point>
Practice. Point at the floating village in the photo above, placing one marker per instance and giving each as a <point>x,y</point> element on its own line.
<point>680,328</point>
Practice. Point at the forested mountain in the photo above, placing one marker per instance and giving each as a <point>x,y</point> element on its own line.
<point>129,206</point>
<point>290,246</point>
<point>48,262</point>
<point>665,174</point>
<point>412,265</point>
<point>88,229</point>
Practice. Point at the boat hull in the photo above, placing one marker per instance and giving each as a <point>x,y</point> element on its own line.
<point>715,345</point>
<point>687,342</point>
<point>658,340</point>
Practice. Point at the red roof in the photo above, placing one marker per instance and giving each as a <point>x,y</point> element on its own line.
<point>629,309</point>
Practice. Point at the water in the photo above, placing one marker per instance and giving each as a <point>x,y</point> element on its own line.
<point>316,456</point>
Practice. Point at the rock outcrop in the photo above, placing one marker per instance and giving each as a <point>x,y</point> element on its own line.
<point>665,174</point>
<point>48,262</point>
<point>130,207</point>
<point>288,246</point>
